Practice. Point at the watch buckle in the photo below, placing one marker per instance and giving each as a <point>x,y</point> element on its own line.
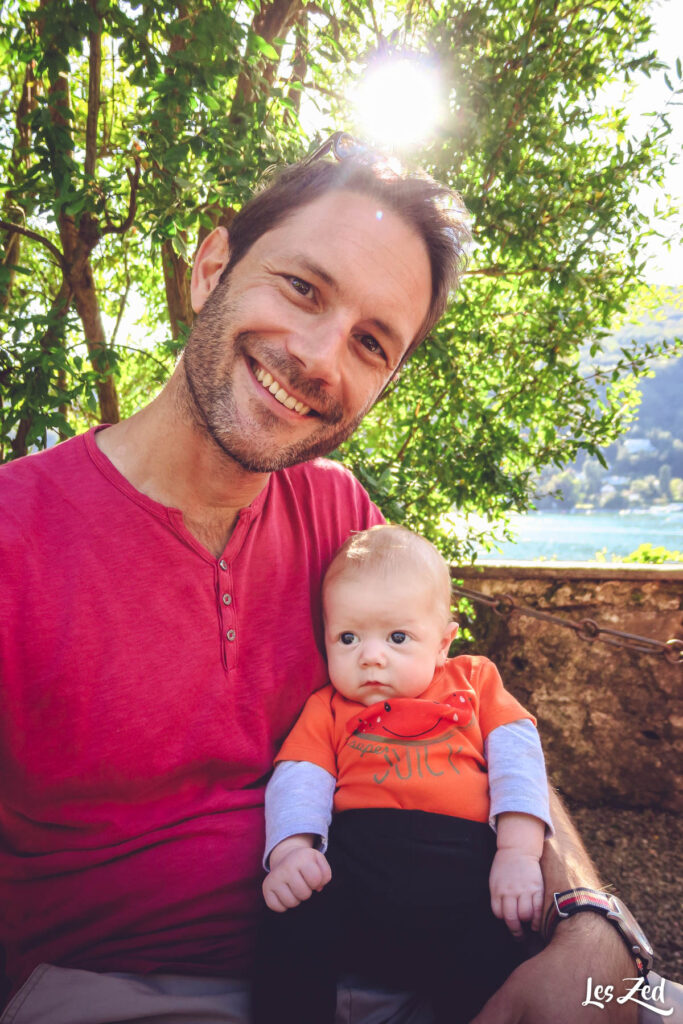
<point>614,911</point>
<point>560,912</point>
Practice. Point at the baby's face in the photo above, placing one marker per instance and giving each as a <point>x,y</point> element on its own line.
<point>384,637</point>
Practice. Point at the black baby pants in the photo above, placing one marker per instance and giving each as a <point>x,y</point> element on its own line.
<point>408,906</point>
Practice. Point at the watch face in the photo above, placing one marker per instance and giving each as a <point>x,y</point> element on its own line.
<point>630,928</point>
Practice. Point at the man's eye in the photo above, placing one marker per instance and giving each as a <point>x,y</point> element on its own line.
<point>371,344</point>
<point>398,637</point>
<point>302,287</point>
<point>347,638</point>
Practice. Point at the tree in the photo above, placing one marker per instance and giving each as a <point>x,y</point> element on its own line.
<point>128,132</point>
<point>549,180</point>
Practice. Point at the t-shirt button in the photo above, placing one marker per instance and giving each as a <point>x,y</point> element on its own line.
<point>230,635</point>
<point>223,564</point>
<point>227,598</point>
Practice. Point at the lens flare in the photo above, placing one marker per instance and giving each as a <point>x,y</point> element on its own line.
<point>399,101</point>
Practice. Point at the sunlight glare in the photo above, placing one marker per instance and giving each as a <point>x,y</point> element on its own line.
<point>399,102</point>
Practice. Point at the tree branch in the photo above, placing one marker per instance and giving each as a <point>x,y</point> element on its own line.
<point>273,21</point>
<point>134,179</point>
<point>9,226</point>
<point>123,300</point>
<point>21,157</point>
<point>418,418</point>
<point>94,74</point>
<point>48,340</point>
<point>515,117</point>
<point>500,271</point>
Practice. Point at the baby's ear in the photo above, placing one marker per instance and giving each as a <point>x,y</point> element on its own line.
<point>450,633</point>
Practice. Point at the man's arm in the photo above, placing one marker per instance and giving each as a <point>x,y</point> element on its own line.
<point>551,987</point>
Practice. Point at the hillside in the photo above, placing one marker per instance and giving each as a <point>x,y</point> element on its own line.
<point>645,467</point>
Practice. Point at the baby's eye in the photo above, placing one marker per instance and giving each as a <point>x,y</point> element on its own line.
<point>302,287</point>
<point>347,638</point>
<point>398,637</point>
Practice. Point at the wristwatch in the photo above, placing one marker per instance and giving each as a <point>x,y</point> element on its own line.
<point>574,901</point>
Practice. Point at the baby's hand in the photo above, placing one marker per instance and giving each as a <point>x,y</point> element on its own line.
<point>516,884</point>
<point>294,877</point>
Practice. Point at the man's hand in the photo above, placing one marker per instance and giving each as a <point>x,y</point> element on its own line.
<point>516,885</point>
<point>297,870</point>
<point>552,986</point>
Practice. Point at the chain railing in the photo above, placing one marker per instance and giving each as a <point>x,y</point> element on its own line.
<point>504,605</point>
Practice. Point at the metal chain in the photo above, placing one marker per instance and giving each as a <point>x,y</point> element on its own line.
<point>586,629</point>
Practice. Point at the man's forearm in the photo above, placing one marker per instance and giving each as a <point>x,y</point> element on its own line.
<point>588,937</point>
<point>565,862</point>
<point>551,988</point>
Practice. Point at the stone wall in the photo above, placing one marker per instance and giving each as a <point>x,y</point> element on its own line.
<point>611,720</point>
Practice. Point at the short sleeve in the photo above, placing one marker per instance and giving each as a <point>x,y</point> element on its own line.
<point>312,737</point>
<point>496,706</point>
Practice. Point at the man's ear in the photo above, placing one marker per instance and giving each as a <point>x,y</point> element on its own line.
<point>449,634</point>
<point>209,264</point>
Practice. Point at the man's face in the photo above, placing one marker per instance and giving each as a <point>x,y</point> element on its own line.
<point>290,353</point>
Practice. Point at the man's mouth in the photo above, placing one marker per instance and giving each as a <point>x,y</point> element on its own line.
<point>279,393</point>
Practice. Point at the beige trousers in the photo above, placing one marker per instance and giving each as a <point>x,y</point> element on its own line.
<point>60,995</point>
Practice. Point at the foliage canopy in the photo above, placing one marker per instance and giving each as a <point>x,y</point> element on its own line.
<point>128,131</point>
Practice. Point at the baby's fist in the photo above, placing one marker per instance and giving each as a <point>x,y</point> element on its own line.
<point>294,878</point>
<point>516,884</point>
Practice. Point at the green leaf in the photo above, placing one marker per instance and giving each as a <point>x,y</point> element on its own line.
<point>261,45</point>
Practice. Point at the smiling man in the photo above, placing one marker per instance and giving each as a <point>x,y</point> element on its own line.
<point>296,341</point>
<point>160,623</point>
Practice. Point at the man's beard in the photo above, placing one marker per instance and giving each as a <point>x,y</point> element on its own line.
<point>211,400</point>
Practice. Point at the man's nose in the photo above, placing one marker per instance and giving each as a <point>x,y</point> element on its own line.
<point>319,346</point>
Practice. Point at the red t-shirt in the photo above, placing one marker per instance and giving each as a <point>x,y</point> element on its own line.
<point>145,688</point>
<point>423,753</point>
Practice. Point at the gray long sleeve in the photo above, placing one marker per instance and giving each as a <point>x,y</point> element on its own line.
<point>517,779</point>
<point>298,800</point>
<point>299,795</point>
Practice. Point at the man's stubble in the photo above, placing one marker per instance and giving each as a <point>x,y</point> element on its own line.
<point>209,397</point>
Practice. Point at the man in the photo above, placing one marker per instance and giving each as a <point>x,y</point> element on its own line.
<point>160,578</point>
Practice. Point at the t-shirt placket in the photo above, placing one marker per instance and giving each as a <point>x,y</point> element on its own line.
<point>226,597</point>
<point>226,613</point>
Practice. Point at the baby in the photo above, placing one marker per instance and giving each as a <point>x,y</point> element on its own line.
<point>419,755</point>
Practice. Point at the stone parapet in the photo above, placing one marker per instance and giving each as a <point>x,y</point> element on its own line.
<point>611,719</point>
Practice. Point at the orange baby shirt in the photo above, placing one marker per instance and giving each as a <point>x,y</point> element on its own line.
<point>423,753</point>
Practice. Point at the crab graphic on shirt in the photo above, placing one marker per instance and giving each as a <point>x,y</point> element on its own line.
<point>412,718</point>
<point>401,730</point>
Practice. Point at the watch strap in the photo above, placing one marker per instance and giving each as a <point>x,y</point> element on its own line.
<point>573,901</point>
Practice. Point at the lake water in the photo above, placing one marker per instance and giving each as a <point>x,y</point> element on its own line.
<point>577,536</point>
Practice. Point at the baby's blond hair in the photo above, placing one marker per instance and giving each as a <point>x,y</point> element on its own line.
<point>390,549</point>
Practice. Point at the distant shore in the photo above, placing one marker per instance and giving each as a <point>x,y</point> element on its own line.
<point>581,534</point>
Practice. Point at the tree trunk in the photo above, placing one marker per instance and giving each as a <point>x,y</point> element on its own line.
<point>176,270</point>
<point>20,158</point>
<point>272,22</point>
<point>299,64</point>
<point>79,240</point>
<point>177,283</point>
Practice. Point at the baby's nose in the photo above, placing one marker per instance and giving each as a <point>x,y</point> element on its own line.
<point>372,653</point>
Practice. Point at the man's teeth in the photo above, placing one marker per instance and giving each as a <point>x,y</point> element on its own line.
<point>277,391</point>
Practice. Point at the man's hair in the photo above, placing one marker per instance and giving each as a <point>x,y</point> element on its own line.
<point>386,550</point>
<point>435,212</point>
